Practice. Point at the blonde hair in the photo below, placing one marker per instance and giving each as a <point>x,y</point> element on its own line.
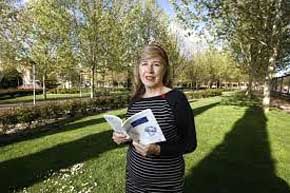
<point>148,52</point>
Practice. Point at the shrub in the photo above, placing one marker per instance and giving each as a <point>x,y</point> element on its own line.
<point>204,93</point>
<point>11,79</point>
<point>64,91</point>
<point>11,92</point>
<point>52,110</point>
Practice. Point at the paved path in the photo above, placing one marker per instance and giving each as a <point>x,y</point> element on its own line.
<point>282,104</point>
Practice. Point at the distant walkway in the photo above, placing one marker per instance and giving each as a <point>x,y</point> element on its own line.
<point>17,104</point>
<point>280,103</point>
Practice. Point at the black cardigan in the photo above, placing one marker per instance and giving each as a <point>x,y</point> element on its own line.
<point>184,119</point>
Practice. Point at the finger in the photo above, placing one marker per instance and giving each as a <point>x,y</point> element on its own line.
<point>135,145</point>
<point>115,141</point>
<point>120,135</point>
<point>139,145</point>
<point>119,138</point>
<point>140,150</point>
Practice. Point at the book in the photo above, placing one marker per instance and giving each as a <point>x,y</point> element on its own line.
<point>141,127</point>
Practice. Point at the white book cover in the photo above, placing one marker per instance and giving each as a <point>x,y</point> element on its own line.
<point>141,127</point>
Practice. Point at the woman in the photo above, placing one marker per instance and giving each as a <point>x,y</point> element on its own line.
<point>158,167</point>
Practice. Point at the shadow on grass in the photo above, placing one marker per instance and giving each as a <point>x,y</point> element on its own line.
<point>28,170</point>
<point>241,163</point>
<point>57,127</point>
<point>199,110</point>
<point>240,99</point>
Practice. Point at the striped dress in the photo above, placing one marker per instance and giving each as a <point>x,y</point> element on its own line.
<point>163,173</point>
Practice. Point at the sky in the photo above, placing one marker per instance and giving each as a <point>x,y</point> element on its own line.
<point>167,7</point>
<point>188,44</point>
<point>21,2</point>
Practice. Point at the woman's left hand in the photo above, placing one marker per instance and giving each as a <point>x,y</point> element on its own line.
<point>151,149</point>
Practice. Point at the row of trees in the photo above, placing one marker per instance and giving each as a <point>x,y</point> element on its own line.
<point>210,67</point>
<point>60,39</point>
<point>256,32</point>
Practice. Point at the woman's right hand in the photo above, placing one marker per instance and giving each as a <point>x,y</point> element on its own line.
<point>120,138</point>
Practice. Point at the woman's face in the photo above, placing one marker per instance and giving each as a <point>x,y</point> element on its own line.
<point>151,72</point>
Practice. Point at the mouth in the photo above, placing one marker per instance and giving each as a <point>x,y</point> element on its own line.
<point>150,78</point>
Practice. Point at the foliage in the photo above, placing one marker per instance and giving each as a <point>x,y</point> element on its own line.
<point>11,92</point>
<point>11,78</point>
<point>64,39</point>
<point>204,93</point>
<point>64,91</point>
<point>55,110</point>
<point>210,66</point>
<point>257,33</point>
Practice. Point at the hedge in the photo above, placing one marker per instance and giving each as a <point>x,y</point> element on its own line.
<point>204,93</point>
<point>29,115</point>
<point>12,92</point>
<point>33,116</point>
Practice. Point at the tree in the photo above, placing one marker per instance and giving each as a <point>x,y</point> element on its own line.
<point>62,38</point>
<point>258,27</point>
<point>9,32</point>
<point>11,78</point>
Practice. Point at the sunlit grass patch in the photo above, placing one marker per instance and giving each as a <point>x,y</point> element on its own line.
<point>240,149</point>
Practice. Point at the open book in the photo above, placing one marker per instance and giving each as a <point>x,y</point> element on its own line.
<point>141,127</point>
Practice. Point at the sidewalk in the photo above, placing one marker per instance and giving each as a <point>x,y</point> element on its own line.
<point>280,103</point>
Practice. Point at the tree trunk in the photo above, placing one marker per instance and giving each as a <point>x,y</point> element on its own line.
<point>272,61</point>
<point>93,81</point>
<point>250,86</point>
<point>210,83</point>
<point>34,94</point>
<point>173,75</point>
<point>129,79</point>
<point>192,84</point>
<point>267,82</point>
<point>80,83</point>
<point>44,87</point>
<point>103,78</point>
<point>218,84</point>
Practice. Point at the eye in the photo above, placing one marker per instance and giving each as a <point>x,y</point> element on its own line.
<point>143,63</point>
<point>156,64</point>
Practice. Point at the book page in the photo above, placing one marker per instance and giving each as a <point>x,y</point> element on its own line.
<point>115,122</point>
<point>144,128</point>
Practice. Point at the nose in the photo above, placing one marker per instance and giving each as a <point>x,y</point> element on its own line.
<point>150,68</point>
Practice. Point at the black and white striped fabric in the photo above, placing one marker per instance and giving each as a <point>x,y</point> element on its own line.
<point>155,173</point>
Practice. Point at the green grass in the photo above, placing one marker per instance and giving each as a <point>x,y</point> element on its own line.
<point>41,98</point>
<point>240,149</point>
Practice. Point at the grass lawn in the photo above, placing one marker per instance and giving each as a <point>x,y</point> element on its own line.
<point>240,149</point>
<point>41,98</point>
